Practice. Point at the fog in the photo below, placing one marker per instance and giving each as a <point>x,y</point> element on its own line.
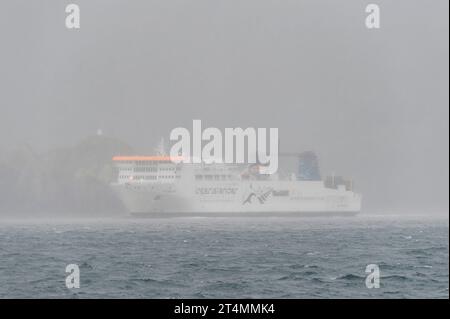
<point>373,104</point>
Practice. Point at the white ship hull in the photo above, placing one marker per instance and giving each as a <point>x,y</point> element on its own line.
<point>239,198</point>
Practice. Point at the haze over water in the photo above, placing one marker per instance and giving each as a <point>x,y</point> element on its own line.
<point>373,105</point>
<point>227,257</point>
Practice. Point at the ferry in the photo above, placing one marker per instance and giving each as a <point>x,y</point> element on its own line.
<point>159,186</point>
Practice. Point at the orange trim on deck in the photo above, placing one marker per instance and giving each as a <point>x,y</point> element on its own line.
<point>147,158</point>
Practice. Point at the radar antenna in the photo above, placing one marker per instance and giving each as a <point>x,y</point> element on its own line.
<point>161,148</point>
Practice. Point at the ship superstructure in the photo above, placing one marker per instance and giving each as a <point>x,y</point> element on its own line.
<point>155,185</point>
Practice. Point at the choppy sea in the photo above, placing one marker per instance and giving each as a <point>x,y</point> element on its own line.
<point>205,257</point>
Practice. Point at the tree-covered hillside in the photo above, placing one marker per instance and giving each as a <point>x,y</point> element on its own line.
<point>70,181</point>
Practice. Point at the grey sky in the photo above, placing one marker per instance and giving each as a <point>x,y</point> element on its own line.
<point>372,103</point>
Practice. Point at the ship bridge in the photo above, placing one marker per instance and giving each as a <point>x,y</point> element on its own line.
<point>146,168</point>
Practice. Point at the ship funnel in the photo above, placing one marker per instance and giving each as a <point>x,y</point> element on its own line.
<point>308,167</point>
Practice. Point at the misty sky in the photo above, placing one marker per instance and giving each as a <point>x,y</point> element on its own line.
<point>372,103</point>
